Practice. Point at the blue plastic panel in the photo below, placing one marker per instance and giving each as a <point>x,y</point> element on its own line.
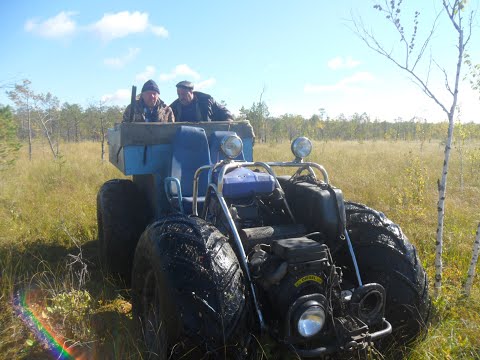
<point>190,151</point>
<point>248,149</point>
<point>126,150</point>
<point>243,182</point>
<point>146,159</point>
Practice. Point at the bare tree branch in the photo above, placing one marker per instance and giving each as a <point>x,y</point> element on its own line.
<point>368,38</point>
<point>447,84</point>
<point>454,12</point>
<point>427,41</point>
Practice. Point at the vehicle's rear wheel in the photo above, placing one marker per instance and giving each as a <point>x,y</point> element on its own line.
<point>122,215</point>
<point>385,256</point>
<point>188,291</point>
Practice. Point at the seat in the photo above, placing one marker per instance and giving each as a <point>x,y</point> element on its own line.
<point>190,151</point>
<point>215,142</point>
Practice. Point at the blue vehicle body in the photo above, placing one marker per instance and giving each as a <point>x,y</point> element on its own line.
<point>278,236</point>
<point>146,151</point>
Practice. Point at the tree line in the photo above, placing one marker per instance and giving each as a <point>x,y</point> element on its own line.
<point>358,127</point>
<point>42,115</point>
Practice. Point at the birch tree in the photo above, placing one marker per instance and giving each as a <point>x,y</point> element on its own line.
<point>474,79</point>
<point>473,263</point>
<point>258,115</point>
<point>22,96</point>
<point>42,108</point>
<point>47,113</point>
<point>408,60</point>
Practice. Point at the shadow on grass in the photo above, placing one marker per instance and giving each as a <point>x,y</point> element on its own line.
<point>31,279</point>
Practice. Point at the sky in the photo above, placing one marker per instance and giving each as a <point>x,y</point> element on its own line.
<point>297,56</point>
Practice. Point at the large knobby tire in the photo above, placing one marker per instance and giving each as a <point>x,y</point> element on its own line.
<point>188,291</point>
<point>385,256</point>
<point>122,216</point>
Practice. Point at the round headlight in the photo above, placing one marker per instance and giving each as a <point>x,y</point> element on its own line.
<point>311,321</point>
<point>231,146</point>
<point>301,147</point>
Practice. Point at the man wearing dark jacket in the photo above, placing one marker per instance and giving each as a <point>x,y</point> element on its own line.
<point>149,107</point>
<point>195,106</point>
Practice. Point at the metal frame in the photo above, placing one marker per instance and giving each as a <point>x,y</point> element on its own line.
<point>223,167</point>
<point>176,181</point>
<point>226,165</point>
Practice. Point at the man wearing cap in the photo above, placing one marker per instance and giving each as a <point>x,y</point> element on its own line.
<point>194,106</point>
<point>149,108</point>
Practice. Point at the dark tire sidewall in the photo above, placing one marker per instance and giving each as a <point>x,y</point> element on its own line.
<point>385,256</point>
<point>122,215</point>
<point>183,328</point>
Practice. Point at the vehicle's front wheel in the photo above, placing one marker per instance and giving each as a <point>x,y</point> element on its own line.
<point>188,291</point>
<point>385,256</point>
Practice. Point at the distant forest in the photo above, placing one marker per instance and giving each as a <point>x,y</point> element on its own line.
<point>36,115</point>
<point>72,123</point>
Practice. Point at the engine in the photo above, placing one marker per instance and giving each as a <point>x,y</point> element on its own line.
<point>302,297</point>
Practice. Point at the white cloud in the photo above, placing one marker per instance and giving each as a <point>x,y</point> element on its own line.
<point>363,76</point>
<point>58,26</point>
<point>342,63</point>
<point>120,62</point>
<point>159,31</point>
<point>343,85</point>
<point>110,26</point>
<point>391,97</point>
<point>120,97</point>
<point>410,101</point>
<point>180,70</point>
<point>205,84</point>
<point>147,74</point>
<point>124,23</point>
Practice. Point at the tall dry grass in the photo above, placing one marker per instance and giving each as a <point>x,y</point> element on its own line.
<point>48,252</point>
<point>48,241</point>
<point>400,179</point>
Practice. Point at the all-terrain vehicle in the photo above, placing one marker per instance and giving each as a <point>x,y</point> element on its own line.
<point>220,250</point>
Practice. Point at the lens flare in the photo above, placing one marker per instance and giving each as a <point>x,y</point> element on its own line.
<point>41,330</point>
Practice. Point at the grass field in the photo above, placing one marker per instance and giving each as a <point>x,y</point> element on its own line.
<point>50,278</point>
